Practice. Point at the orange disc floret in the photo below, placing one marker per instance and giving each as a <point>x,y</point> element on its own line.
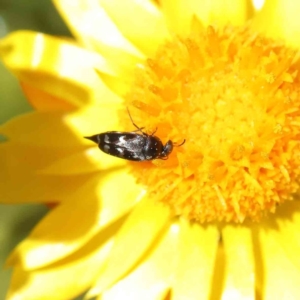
<point>234,96</point>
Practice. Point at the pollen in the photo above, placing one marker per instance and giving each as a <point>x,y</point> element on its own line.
<point>234,96</point>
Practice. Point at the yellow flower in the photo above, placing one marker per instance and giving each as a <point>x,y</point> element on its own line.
<point>215,220</point>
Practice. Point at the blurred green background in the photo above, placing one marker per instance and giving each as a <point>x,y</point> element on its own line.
<point>38,15</point>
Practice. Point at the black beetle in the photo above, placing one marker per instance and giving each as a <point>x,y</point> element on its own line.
<point>132,145</point>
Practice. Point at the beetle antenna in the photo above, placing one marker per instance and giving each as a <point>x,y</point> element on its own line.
<point>137,127</point>
<point>179,144</point>
<point>154,131</point>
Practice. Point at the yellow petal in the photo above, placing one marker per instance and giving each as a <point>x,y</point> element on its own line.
<point>47,135</point>
<point>218,277</point>
<point>57,282</point>
<point>280,277</point>
<point>46,129</point>
<point>179,13</point>
<point>55,66</point>
<point>239,263</point>
<point>288,231</point>
<point>87,161</point>
<point>146,29</point>
<point>134,238</point>
<point>96,204</point>
<point>93,27</point>
<point>197,252</point>
<point>96,119</point>
<point>44,101</point>
<point>154,275</point>
<point>119,85</point>
<point>54,161</point>
<point>280,19</point>
<point>19,157</point>
<point>61,129</point>
<point>29,187</point>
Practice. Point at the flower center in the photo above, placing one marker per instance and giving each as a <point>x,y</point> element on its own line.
<point>234,97</point>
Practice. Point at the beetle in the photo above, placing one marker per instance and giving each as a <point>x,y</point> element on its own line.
<point>132,145</point>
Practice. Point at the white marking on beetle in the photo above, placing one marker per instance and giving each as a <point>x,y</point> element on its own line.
<point>106,138</point>
<point>106,148</point>
<point>122,140</point>
<point>121,152</point>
